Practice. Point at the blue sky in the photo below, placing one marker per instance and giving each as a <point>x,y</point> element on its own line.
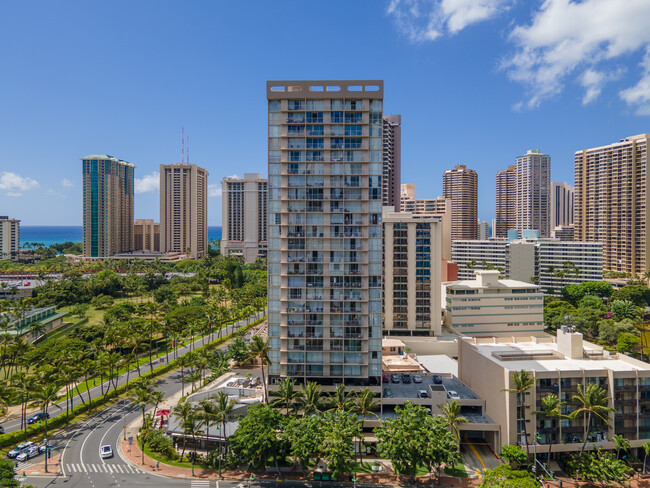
<point>477,82</point>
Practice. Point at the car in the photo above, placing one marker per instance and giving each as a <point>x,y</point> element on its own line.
<point>29,453</point>
<point>388,393</point>
<point>105,452</point>
<point>26,283</point>
<point>417,379</point>
<point>423,394</point>
<point>437,379</point>
<point>35,418</point>
<point>385,378</point>
<point>453,394</point>
<point>394,378</point>
<point>2,429</point>
<point>406,378</point>
<point>19,448</point>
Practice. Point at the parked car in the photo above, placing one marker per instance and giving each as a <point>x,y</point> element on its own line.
<point>388,393</point>
<point>417,378</point>
<point>105,452</point>
<point>29,453</point>
<point>2,429</point>
<point>406,378</point>
<point>423,394</point>
<point>19,448</point>
<point>385,378</point>
<point>453,394</point>
<point>437,379</point>
<point>37,417</point>
<point>394,378</point>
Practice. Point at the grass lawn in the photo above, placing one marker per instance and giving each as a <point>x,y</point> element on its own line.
<point>185,464</point>
<point>366,467</point>
<point>458,471</point>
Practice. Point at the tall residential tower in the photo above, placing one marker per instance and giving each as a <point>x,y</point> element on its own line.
<point>533,192</point>
<point>461,186</point>
<point>392,170</point>
<point>506,201</point>
<point>107,205</point>
<point>325,198</point>
<point>9,238</point>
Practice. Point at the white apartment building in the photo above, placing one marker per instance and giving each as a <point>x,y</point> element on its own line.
<point>558,365</point>
<point>244,206</point>
<point>412,270</point>
<point>488,306</point>
<point>9,238</point>
<point>483,230</point>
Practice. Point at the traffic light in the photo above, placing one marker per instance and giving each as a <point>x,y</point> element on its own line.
<point>49,452</point>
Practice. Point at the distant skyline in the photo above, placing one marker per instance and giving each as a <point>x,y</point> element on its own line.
<point>476,83</point>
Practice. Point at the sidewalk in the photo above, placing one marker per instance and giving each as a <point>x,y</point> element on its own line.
<point>53,468</point>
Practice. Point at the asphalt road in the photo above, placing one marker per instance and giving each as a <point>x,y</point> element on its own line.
<point>79,446</point>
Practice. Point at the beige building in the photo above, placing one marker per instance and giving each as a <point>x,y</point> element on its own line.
<point>506,201</point>
<point>562,198</point>
<point>461,186</point>
<point>392,170</point>
<point>611,202</point>
<point>489,306</point>
<point>146,235</point>
<point>244,206</point>
<point>325,172</point>
<point>559,366</point>
<point>9,238</point>
<point>107,206</point>
<point>412,269</point>
<point>533,192</point>
<point>184,209</point>
<point>436,206</point>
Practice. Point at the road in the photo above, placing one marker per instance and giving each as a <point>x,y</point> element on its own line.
<point>79,447</point>
<point>96,391</point>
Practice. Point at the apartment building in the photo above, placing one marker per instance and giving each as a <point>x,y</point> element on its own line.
<point>146,235</point>
<point>107,205</point>
<point>562,200</point>
<point>489,306</point>
<point>611,195</point>
<point>564,232</point>
<point>412,272</point>
<point>244,206</point>
<point>184,209</point>
<point>9,238</point>
<point>392,169</point>
<point>533,187</point>
<point>552,263</point>
<point>325,197</point>
<point>483,230</point>
<point>560,366</point>
<point>436,206</point>
<point>506,201</point>
<point>461,186</point>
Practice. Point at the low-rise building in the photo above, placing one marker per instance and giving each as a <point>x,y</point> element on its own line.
<point>488,306</point>
<point>558,366</point>
<point>146,235</point>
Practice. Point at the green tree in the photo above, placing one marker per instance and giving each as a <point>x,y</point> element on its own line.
<point>286,395</point>
<point>451,413</point>
<point>626,342</point>
<point>305,435</point>
<point>238,350</point>
<point>637,294</point>
<point>310,398</point>
<point>225,406</point>
<point>523,382</point>
<point>340,399</point>
<point>341,428</point>
<point>504,476</point>
<point>646,449</point>
<point>624,309</point>
<point>515,456</point>
<point>621,444</point>
<point>551,407</point>
<point>593,402</point>
<point>142,395</point>
<point>259,351</point>
<point>183,412</point>
<point>256,440</point>
<point>45,395</point>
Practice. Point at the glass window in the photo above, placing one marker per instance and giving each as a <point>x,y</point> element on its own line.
<point>315,104</point>
<point>274,131</point>
<point>336,130</point>
<point>274,119</point>
<point>274,105</point>
<point>376,105</point>
<point>354,130</point>
<point>336,105</point>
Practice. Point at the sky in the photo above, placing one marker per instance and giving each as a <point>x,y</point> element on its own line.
<point>477,82</point>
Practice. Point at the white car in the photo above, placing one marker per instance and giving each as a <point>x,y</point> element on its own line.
<point>105,452</point>
<point>453,394</point>
<point>28,453</point>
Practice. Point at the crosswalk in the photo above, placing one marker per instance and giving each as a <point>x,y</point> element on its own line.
<point>200,484</point>
<point>101,468</point>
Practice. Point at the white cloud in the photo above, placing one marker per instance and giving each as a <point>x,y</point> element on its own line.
<point>214,190</point>
<point>426,20</point>
<point>15,183</point>
<point>639,94</point>
<point>14,194</point>
<point>565,36</point>
<point>66,183</point>
<point>148,184</point>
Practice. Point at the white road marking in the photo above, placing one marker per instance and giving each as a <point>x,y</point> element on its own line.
<point>109,468</point>
<point>94,467</point>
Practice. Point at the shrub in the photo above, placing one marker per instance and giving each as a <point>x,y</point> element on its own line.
<point>160,443</point>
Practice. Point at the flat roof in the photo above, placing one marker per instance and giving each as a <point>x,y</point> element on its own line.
<point>502,284</point>
<point>439,364</point>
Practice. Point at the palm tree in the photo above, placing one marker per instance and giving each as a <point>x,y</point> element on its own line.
<point>192,426</point>
<point>182,412</point>
<point>551,407</point>
<point>183,361</point>
<point>259,350</point>
<point>193,377</point>
<point>310,398</point>
<point>523,382</point>
<point>141,396</point>
<point>23,386</point>
<point>45,396</point>
<point>646,448</point>
<point>451,414</point>
<point>207,412</point>
<point>340,400</point>
<point>621,444</point>
<point>224,407</point>
<point>6,395</point>
<point>286,395</point>
<point>364,404</point>
<point>594,402</point>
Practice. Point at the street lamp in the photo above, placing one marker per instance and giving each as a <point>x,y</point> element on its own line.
<point>47,453</point>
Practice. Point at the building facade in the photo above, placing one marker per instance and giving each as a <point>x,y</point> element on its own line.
<point>483,230</point>
<point>562,198</point>
<point>412,271</point>
<point>244,205</point>
<point>611,195</point>
<point>506,201</point>
<point>184,209</point>
<point>146,235</point>
<point>489,306</point>
<point>461,186</point>
<point>533,192</point>
<point>9,238</point>
<point>325,198</point>
<point>107,205</point>
<point>392,170</point>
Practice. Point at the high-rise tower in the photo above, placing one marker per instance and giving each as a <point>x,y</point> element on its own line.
<point>324,259</point>
<point>506,201</point>
<point>392,170</point>
<point>533,192</point>
<point>184,209</point>
<point>461,185</point>
<point>562,195</point>
<point>107,205</point>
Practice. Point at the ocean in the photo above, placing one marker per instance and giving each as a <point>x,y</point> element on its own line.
<point>57,234</point>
